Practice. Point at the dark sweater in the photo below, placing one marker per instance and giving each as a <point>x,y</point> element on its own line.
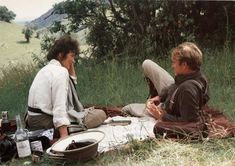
<point>188,99</point>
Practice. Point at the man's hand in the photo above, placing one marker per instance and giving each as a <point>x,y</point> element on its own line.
<point>154,110</point>
<point>72,70</point>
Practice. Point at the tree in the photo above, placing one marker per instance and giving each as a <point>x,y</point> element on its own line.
<point>149,27</point>
<point>28,32</point>
<point>6,15</point>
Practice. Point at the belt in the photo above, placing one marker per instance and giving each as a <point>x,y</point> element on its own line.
<point>37,110</point>
<point>77,115</point>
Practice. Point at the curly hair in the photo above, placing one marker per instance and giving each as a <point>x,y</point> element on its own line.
<point>188,52</point>
<point>63,45</point>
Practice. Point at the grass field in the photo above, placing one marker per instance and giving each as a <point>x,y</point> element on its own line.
<point>121,82</point>
<point>13,48</point>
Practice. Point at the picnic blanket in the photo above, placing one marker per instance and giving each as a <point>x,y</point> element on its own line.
<point>217,125</point>
<point>117,135</point>
<point>142,128</point>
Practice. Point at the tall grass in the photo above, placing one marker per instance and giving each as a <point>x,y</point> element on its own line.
<point>110,83</point>
<point>117,82</point>
<point>14,85</point>
<point>220,70</point>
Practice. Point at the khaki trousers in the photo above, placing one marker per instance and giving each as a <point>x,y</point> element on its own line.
<point>94,118</point>
<point>160,78</point>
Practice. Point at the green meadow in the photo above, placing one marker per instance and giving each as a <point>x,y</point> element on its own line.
<point>119,82</point>
<point>13,46</point>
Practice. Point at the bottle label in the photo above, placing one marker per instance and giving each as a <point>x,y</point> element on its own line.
<point>23,148</point>
<point>36,146</point>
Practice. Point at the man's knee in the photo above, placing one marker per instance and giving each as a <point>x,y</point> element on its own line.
<point>95,118</point>
<point>146,63</point>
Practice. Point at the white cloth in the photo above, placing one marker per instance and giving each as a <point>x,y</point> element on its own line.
<point>115,136</point>
<point>49,92</point>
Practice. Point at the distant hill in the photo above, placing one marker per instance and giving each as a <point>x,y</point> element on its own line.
<point>47,19</point>
<point>14,49</point>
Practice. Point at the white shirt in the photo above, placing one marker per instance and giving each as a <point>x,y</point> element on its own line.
<point>49,92</point>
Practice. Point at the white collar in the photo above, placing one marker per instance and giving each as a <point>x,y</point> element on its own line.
<point>55,62</point>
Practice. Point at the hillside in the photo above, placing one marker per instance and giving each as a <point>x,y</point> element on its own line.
<point>13,48</point>
<point>47,19</point>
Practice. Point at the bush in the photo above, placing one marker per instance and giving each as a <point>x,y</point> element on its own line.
<point>6,15</point>
<point>28,32</point>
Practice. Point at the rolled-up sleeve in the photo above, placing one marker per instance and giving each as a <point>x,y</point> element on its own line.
<point>59,99</point>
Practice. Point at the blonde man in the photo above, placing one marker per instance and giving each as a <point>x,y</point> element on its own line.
<point>183,96</point>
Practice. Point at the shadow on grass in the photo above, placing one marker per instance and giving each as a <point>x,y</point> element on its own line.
<point>22,42</point>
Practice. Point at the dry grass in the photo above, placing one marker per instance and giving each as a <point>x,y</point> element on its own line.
<point>121,83</point>
<point>13,48</point>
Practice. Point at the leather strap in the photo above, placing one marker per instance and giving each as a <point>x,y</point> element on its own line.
<point>37,110</point>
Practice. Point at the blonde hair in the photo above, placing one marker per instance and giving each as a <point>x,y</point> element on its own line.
<point>188,52</point>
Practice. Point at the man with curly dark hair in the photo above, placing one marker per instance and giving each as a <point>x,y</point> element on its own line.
<point>52,100</point>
